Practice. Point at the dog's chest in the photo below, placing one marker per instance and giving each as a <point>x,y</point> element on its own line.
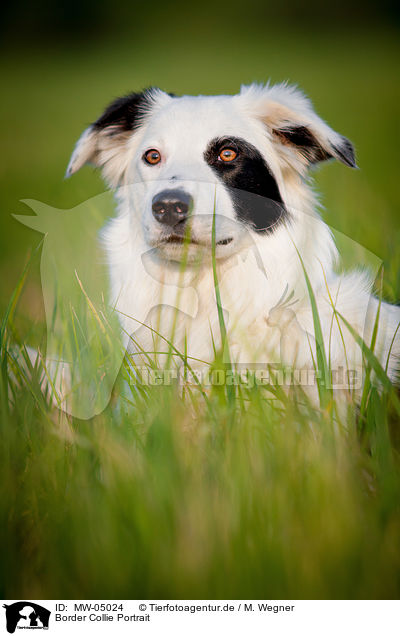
<point>186,318</point>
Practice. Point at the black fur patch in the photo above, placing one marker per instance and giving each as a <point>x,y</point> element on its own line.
<point>345,153</point>
<point>125,114</point>
<point>312,150</point>
<point>254,191</point>
<point>304,140</point>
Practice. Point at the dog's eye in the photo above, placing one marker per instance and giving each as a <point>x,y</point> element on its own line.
<point>152,156</point>
<point>227,154</point>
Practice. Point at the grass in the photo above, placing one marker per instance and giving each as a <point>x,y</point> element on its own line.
<point>166,495</point>
<point>172,496</point>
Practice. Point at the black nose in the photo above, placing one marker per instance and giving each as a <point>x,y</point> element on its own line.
<point>172,207</point>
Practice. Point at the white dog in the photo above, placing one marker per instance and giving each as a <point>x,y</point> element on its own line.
<point>226,177</point>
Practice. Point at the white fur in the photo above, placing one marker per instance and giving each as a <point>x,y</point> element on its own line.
<point>254,270</point>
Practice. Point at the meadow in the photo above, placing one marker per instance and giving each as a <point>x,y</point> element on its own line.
<point>223,494</point>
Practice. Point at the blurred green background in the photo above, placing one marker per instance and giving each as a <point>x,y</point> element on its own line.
<point>148,502</point>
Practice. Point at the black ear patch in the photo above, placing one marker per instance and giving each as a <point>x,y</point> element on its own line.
<point>126,114</point>
<point>308,145</point>
<point>304,140</point>
<point>345,152</point>
<point>104,140</point>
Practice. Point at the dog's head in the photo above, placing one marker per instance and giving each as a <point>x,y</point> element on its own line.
<point>236,159</point>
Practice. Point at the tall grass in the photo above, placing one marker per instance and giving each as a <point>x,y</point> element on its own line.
<point>196,493</point>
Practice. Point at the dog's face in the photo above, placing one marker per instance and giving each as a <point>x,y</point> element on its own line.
<point>198,156</point>
<point>198,170</point>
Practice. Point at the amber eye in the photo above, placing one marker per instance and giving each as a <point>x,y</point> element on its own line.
<point>152,156</point>
<point>227,154</point>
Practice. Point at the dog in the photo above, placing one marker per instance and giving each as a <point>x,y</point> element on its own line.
<point>214,192</point>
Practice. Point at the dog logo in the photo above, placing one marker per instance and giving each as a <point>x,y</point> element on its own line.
<point>26,615</point>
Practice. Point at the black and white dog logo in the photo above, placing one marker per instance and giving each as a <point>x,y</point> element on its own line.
<point>26,615</point>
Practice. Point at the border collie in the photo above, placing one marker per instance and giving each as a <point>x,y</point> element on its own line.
<point>216,188</point>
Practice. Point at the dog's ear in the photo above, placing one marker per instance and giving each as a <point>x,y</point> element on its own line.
<point>106,142</point>
<point>294,125</point>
